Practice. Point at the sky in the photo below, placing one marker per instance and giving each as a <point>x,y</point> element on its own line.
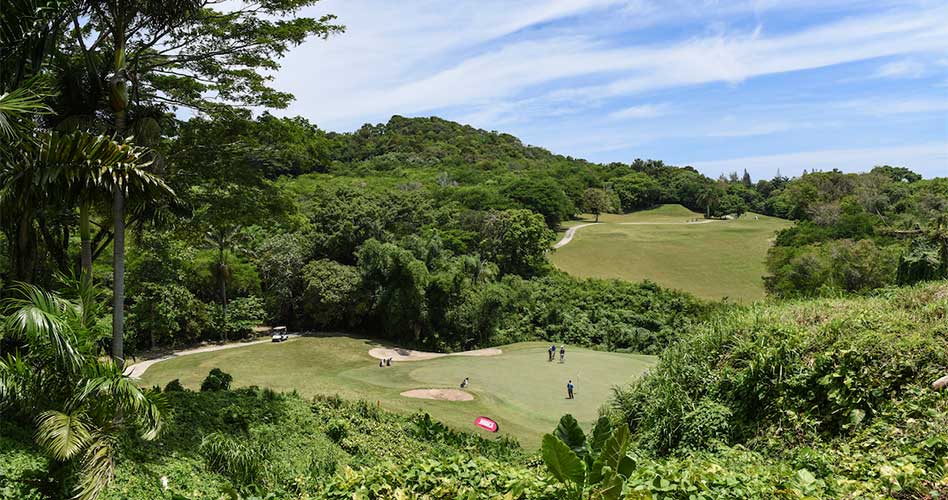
<point>721,85</point>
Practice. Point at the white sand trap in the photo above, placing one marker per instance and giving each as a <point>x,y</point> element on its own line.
<point>399,354</point>
<point>441,394</point>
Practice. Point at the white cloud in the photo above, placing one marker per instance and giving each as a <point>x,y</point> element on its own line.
<point>904,68</point>
<point>752,129</point>
<point>884,107</point>
<point>641,111</point>
<point>930,159</point>
<point>450,58</point>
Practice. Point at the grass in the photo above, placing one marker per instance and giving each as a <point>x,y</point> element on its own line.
<point>519,389</point>
<point>712,260</point>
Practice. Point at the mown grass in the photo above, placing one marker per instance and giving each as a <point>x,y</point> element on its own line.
<point>520,389</point>
<point>712,260</point>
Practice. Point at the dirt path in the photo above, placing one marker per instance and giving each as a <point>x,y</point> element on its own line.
<point>398,354</point>
<point>568,237</point>
<point>138,369</point>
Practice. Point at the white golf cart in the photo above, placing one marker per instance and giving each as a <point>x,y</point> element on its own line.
<point>278,334</point>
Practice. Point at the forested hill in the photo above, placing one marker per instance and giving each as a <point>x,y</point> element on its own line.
<point>436,140</point>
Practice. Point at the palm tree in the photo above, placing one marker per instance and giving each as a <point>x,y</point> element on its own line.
<point>84,164</point>
<point>709,196</point>
<point>223,239</point>
<point>79,405</point>
<point>126,181</point>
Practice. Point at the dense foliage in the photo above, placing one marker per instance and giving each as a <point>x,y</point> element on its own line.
<point>858,232</point>
<point>839,389</point>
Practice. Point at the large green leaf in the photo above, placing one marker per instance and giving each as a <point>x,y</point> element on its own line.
<point>571,433</point>
<point>611,454</point>
<point>63,436</point>
<point>562,462</point>
<point>96,469</point>
<point>626,466</point>
<point>610,489</point>
<point>600,433</point>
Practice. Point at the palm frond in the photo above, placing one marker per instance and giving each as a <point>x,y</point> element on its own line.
<point>144,406</point>
<point>97,468</point>
<point>41,318</point>
<point>17,105</point>
<point>15,375</point>
<point>61,435</point>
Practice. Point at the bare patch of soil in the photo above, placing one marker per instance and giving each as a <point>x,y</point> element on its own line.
<point>440,394</point>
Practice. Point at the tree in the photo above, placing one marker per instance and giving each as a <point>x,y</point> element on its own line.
<point>81,407</point>
<point>596,201</point>
<point>746,180</point>
<point>516,240</point>
<point>224,240</point>
<point>731,204</point>
<point>175,54</point>
<point>709,196</point>
<point>397,282</point>
<point>331,291</point>
<point>636,191</point>
<point>543,195</point>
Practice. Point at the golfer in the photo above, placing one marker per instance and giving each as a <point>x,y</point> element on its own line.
<point>562,353</point>
<point>569,390</point>
<point>465,382</point>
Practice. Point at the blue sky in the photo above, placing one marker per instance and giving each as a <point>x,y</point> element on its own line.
<point>721,85</point>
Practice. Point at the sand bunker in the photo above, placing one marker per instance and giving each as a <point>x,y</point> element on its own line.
<point>442,394</point>
<point>398,354</point>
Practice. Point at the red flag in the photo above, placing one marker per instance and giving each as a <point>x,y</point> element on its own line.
<point>487,424</point>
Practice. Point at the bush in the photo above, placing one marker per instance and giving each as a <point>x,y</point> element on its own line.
<point>216,380</point>
<point>174,386</point>
<point>803,370</point>
<point>707,424</point>
<point>337,430</point>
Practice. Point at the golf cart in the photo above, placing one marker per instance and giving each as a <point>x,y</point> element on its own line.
<point>278,334</point>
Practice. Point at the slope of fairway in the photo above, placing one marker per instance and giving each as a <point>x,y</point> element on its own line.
<point>712,259</point>
<point>520,389</point>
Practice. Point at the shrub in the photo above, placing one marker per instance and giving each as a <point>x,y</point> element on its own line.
<point>216,380</point>
<point>337,430</point>
<point>241,460</point>
<point>174,386</point>
<point>708,423</point>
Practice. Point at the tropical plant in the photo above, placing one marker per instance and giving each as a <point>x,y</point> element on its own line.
<point>80,406</point>
<point>594,468</point>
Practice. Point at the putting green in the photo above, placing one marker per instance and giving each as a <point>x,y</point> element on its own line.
<point>520,389</point>
<point>712,260</point>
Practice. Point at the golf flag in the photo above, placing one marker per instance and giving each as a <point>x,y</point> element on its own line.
<point>487,424</point>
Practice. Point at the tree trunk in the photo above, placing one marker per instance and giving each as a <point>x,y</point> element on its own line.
<point>86,239</point>
<point>118,100</point>
<point>25,249</point>
<point>222,283</point>
<point>118,277</point>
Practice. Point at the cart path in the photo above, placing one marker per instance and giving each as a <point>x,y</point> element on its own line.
<point>568,237</point>
<point>138,369</point>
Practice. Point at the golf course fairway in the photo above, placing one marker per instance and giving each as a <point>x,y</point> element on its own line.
<point>520,389</point>
<point>676,248</point>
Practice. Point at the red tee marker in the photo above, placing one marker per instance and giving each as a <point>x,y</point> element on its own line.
<point>486,424</point>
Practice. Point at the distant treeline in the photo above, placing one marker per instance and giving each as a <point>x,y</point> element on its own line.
<point>434,234</point>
